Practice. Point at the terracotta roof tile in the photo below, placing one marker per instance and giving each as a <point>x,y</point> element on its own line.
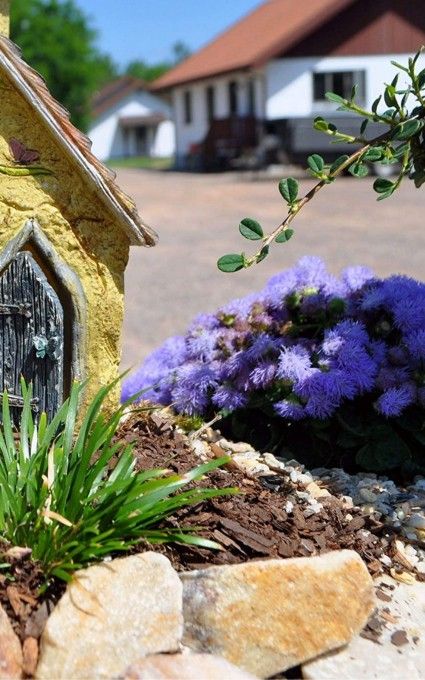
<point>33,88</point>
<point>116,91</point>
<point>272,28</point>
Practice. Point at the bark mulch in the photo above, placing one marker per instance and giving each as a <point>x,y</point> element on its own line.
<point>253,524</point>
<point>250,525</point>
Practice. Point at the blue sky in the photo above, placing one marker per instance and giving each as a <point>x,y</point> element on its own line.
<point>147,29</point>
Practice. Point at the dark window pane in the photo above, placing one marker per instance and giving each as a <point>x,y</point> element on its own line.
<point>319,87</point>
<point>233,97</point>
<point>187,104</point>
<point>340,82</point>
<point>251,97</point>
<point>210,103</point>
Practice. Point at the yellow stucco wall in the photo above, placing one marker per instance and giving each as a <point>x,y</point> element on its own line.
<point>4,17</point>
<point>76,223</point>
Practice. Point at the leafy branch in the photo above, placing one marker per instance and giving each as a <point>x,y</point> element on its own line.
<point>403,143</point>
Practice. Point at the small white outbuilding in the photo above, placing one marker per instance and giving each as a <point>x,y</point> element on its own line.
<point>128,120</point>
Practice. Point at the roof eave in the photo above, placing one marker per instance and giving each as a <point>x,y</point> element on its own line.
<point>130,226</point>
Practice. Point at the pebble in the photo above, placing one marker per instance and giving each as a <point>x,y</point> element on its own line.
<point>400,507</point>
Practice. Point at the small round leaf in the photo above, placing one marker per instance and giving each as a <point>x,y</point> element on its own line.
<point>284,236</point>
<point>232,262</point>
<point>289,189</point>
<point>316,163</point>
<point>251,229</point>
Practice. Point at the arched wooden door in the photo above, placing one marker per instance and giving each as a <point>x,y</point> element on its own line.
<point>31,336</point>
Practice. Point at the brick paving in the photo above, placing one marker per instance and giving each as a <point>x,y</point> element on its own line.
<point>196,217</point>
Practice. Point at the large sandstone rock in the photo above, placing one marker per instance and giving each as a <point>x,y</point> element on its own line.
<point>10,649</point>
<point>111,615</point>
<point>185,667</point>
<point>400,620</point>
<point>270,615</point>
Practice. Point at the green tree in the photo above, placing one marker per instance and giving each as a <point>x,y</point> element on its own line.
<point>149,72</point>
<point>57,40</point>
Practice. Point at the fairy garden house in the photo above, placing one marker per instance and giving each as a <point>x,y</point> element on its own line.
<point>65,233</point>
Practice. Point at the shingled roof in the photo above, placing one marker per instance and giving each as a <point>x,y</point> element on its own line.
<point>76,145</point>
<point>272,28</point>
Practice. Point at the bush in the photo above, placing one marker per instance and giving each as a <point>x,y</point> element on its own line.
<point>330,367</point>
<point>59,497</point>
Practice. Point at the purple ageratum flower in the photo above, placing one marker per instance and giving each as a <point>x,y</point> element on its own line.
<point>227,397</point>
<point>193,382</point>
<point>294,364</point>
<point>263,374</point>
<point>391,376</point>
<point>202,344</point>
<point>355,278</point>
<point>415,343</point>
<point>395,400</point>
<point>261,345</point>
<point>289,409</point>
<point>156,372</point>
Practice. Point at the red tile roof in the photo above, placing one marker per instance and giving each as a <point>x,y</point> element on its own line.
<point>74,144</point>
<point>272,28</point>
<point>116,91</point>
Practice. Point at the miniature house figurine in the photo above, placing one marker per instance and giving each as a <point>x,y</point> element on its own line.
<point>65,233</point>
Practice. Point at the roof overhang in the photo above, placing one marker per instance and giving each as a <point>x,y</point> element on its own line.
<point>74,144</point>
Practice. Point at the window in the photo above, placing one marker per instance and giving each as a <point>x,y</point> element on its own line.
<point>251,97</point>
<point>187,106</point>
<point>340,82</point>
<point>210,96</point>
<point>233,97</point>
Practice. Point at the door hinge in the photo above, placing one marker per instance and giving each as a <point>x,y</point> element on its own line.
<point>22,308</point>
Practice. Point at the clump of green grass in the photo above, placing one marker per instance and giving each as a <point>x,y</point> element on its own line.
<point>59,497</point>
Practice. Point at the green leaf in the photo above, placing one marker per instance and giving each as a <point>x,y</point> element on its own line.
<point>337,163</point>
<point>385,450</point>
<point>251,229</point>
<point>232,262</point>
<point>421,79</point>
<point>382,185</point>
<point>333,97</point>
<point>376,103</point>
<point>263,254</point>
<point>389,95</point>
<point>358,170</point>
<point>289,189</point>
<point>373,154</point>
<point>316,163</point>
<point>363,126</point>
<point>284,236</point>
<point>408,129</point>
<point>320,124</point>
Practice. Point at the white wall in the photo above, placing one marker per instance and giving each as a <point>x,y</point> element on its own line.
<point>194,132</point>
<point>107,136</point>
<point>290,81</point>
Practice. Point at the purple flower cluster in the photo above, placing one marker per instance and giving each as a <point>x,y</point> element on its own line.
<point>303,346</point>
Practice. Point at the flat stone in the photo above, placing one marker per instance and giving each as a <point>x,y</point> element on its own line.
<point>111,615</point>
<point>402,613</point>
<point>10,649</point>
<point>187,666</point>
<point>267,616</point>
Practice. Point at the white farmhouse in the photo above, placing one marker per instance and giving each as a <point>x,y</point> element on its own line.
<point>266,76</point>
<point>128,120</point>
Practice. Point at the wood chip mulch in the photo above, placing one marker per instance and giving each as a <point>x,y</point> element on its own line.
<point>254,523</point>
<point>251,525</point>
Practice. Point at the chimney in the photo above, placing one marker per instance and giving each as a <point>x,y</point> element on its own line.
<point>4,17</point>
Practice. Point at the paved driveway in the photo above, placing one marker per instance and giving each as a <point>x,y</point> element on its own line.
<point>196,217</point>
